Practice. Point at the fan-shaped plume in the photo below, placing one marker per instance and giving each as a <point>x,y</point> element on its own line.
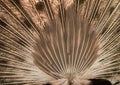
<point>59,42</point>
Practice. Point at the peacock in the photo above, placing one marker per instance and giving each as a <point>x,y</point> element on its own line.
<point>59,42</point>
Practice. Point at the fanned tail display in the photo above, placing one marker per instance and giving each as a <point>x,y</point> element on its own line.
<point>59,42</point>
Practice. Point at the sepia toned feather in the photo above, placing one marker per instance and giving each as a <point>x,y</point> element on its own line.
<point>59,42</point>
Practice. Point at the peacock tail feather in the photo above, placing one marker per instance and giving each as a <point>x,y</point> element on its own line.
<point>59,41</point>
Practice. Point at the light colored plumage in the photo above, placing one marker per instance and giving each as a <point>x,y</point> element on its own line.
<point>59,41</point>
